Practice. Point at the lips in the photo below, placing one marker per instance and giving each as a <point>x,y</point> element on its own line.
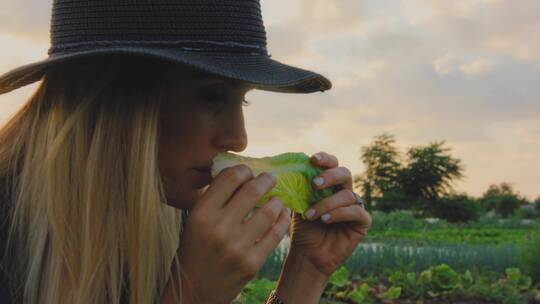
<point>203,176</point>
<point>204,169</point>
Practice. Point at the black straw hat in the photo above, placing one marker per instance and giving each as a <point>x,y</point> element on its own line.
<point>222,37</point>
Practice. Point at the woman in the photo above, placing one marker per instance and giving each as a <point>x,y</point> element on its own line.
<point>105,196</point>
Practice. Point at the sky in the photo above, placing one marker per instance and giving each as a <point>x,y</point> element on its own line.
<point>466,72</point>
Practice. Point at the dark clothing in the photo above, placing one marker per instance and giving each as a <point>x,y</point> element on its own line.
<point>5,296</point>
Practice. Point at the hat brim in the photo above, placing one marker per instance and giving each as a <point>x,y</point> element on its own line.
<point>262,72</point>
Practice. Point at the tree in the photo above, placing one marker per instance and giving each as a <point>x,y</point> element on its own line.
<point>393,200</point>
<point>429,173</point>
<point>507,204</point>
<point>364,187</point>
<point>381,160</point>
<point>502,199</point>
<point>491,196</point>
<point>537,203</point>
<point>457,208</point>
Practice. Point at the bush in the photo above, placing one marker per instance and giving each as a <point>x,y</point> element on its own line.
<point>393,200</point>
<point>537,204</point>
<point>456,208</point>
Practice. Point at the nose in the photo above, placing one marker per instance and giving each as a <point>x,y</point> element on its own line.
<point>231,134</point>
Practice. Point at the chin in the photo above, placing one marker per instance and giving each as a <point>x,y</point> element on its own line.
<point>186,199</point>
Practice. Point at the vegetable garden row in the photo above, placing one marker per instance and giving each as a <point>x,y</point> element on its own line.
<point>407,260</point>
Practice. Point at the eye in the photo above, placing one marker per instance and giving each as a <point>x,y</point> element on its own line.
<point>220,99</point>
<point>215,98</point>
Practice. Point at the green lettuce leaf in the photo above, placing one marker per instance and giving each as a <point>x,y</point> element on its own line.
<point>294,173</point>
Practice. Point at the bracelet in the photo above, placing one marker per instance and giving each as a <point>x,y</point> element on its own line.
<point>273,299</point>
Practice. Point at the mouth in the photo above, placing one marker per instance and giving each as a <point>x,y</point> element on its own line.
<point>207,168</point>
<point>203,176</point>
<point>204,170</point>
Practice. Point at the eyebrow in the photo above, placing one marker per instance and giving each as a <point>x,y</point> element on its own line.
<point>218,82</point>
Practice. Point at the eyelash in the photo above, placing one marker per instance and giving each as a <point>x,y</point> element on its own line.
<point>219,99</point>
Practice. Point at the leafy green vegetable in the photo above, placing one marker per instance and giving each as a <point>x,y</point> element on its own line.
<point>294,173</point>
<point>392,294</point>
<point>518,280</point>
<point>257,291</point>
<point>340,277</point>
<point>438,283</point>
<point>467,279</point>
<point>360,295</point>
<point>440,280</point>
<point>406,281</point>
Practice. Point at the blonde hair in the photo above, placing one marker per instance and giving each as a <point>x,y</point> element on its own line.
<point>88,218</point>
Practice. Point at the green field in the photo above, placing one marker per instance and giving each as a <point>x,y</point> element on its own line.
<point>409,260</point>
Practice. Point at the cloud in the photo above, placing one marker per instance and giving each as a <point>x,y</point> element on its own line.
<point>330,16</point>
<point>29,19</point>
<point>312,20</point>
<point>450,63</point>
<point>432,80</point>
<point>17,51</point>
<point>528,132</point>
<point>446,64</point>
<point>498,26</point>
<point>477,67</point>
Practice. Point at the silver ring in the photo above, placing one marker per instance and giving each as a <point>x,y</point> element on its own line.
<point>359,200</point>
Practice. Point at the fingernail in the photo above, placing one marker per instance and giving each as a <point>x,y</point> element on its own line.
<point>325,217</point>
<point>309,214</point>
<point>318,156</point>
<point>288,211</point>
<point>318,181</point>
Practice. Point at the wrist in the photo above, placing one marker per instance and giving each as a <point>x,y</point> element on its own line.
<point>300,281</point>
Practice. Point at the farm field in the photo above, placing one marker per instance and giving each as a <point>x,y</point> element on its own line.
<point>409,260</point>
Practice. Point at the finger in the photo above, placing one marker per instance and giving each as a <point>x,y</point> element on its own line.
<point>340,199</point>
<point>262,220</point>
<point>352,213</point>
<point>326,160</point>
<point>247,196</point>
<point>224,186</point>
<point>269,241</point>
<point>335,176</point>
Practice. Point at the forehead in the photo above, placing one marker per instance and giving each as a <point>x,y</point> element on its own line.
<point>199,79</point>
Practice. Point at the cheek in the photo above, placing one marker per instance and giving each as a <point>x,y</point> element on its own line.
<point>170,144</point>
<point>170,158</point>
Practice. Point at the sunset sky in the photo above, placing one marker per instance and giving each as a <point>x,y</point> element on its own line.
<point>463,71</point>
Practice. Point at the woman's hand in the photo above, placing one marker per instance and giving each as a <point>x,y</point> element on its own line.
<point>220,250</point>
<point>336,225</point>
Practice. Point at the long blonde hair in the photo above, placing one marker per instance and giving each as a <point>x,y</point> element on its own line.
<point>88,218</point>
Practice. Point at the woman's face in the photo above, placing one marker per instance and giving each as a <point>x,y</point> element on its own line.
<point>200,118</point>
